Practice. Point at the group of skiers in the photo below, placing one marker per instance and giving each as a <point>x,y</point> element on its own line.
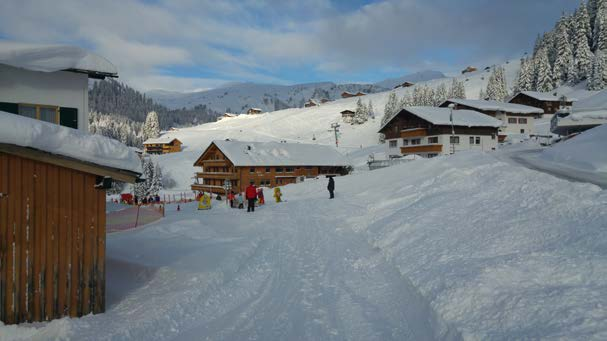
<point>254,196</point>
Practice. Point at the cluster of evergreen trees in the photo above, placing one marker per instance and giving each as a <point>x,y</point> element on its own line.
<point>113,98</point>
<point>574,51</point>
<point>497,89</point>
<point>153,179</point>
<point>117,127</point>
<point>363,112</point>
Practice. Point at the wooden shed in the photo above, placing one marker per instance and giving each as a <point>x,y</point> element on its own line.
<point>52,235</point>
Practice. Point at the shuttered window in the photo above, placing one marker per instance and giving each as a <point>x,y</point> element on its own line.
<point>67,117</point>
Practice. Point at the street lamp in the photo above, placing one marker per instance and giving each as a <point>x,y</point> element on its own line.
<point>451,106</point>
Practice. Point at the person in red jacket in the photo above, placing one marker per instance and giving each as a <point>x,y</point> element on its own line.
<point>251,195</point>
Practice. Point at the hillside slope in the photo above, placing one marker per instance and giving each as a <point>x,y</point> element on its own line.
<point>302,125</point>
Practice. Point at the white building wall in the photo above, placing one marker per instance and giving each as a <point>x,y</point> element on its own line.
<point>487,143</point>
<point>515,128</point>
<point>62,88</point>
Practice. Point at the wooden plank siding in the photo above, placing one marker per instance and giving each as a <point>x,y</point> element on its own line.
<point>52,241</point>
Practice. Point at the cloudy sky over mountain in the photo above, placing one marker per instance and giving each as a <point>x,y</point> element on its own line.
<point>197,44</point>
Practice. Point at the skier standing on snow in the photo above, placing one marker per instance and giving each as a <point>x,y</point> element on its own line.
<point>251,194</point>
<point>260,196</point>
<point>240,201</point>
<point>331,187</point>
<point>277,194</point>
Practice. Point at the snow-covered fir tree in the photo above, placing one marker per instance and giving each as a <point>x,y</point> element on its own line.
<point>440,94</point>
<point>390,108</point>
<point>543,72</point>
<point>360,114</point>
<point>564,56</point>
<point>156,184</point>
<point>580,21</point>
<point>599,37</point>
<point>598,77</point>
<point>526,75</point>
<point>481,94</point>
<point>370,110</point>
<point>151,127</point>
<point>496,87</point>
<point>405,101</point>
<point>458,90</point>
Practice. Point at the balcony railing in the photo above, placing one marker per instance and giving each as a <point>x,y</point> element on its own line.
<point>217,175</point>
<point>427,148</point>
<point>413,132</point>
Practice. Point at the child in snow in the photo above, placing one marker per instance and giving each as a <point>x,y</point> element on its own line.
<point>260,196</point>
<point>277,194</point>
<point>240,201</point>
<point>231,199</point>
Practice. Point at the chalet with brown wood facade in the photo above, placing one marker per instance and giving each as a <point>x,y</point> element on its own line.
<point>311,103</point>
<point>550,103</point>
<point>427,132</point>
<point>52,195</point>
<point>267,164</point>
<point>347,115</point>
<point>254,111</point>
<point>162,145</point>
<point>404,85</point>
<point>347,94</point>
<point>516,118</point>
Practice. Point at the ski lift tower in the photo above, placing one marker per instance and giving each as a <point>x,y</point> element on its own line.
<point>335,129</point>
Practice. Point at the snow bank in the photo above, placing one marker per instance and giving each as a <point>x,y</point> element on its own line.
<point>51,58</point>
<point>53,138</point>
<point>586,151</point>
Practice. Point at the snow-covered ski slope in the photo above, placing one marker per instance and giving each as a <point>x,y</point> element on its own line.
<point>460,246</point>
<point>302,125</point>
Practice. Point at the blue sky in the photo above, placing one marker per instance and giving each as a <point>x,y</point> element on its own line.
<point>186,45</point>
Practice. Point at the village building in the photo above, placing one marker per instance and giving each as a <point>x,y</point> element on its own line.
<point>549,102</point>
<point>469,69</point>
<point>516,118</point>
<point>53,177</point>
<point>583,115</point>
<point>404,85</point>
<point>347,115</point>
<point>226,115</point>
<point>347,94</point>
<point>427,132</point>
<point>267,164</point>
<point>311,103</point>
<point>324,100</point>
<point>162,145</point>
<point>254,111</point>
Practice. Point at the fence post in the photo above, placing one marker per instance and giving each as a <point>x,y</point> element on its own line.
<point>137,218</point>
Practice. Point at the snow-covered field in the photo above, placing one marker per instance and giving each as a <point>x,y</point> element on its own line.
<point>455,247</point>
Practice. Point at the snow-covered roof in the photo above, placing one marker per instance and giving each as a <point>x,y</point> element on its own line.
<point>497,106</point>
<point>255,109</point>
<point>592,103</point>
<point>160,140</point>
<point>545,96</point>
<point>56,139</point>
<point>243,153</point>
<point>441,116</point>
<point>51,58</point>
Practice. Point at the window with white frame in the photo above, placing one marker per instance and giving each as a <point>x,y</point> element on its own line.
<point>511,120</point>
<point>454,139</point>
<point>405,142</point>
<point>432,139</point>
<point>478,140</point>
<point>392,143</point>
<point>416,141</point>
<point>522,120</point>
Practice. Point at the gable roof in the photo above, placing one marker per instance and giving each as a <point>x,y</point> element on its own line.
<point>495,106</point>
<point>242,153</point>
<point>347,111</point>
<point>161,140</point>
<point>70,144</point>
<point>51,58</point>
<point>545,96</point>
<point>441,116</point>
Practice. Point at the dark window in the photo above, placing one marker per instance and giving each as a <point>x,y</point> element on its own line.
<point>267,169</point>
<point>433,139</point>
<point>471,139</point>
<point>278,169</point>
<point>252,170</point>
<point>454,139</point>
<point>522,121</point>
<point>522,131</point>
<point>416,141</point>
<point>68,117</point>
<point>12,108</point>
<point>512,120</point>
<point>478,140</point>
<point>289,170</point>
<point>393,144</point>
<point>405,142</point>
<point>432,155</point>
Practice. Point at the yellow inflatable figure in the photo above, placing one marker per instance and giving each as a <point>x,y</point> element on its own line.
<point>205,202</point>
<point>277,194</point>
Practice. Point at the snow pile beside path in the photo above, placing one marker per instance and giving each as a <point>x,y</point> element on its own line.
<point>586,151</point>
<point>53,138</point>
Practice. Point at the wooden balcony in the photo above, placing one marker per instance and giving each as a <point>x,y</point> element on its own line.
<point>414,132</point>
<point>208,188</point>
<point>217,175</point>
<point>214,163</point>
<point>428,148</point>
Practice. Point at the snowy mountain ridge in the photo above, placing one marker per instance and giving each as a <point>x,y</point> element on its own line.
<point>238,97</point>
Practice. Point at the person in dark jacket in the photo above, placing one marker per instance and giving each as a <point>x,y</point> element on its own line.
<point>251,194</point>
<point>331,187</point>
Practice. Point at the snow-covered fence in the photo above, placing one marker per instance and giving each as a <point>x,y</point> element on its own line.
<point>377,164</point>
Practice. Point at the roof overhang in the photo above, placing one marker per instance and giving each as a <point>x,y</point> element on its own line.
<point>94,74</point>
<point>68,162</point>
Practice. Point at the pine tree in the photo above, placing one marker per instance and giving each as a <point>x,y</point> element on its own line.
<point>543,76</point>
<point>148,173</point>
<point>360,114</point>
<point>481,95</point>
<point>526,75</point>
<point>151,127</point>
<point>370,110</point>
<point>440,94</point>
<point>390,108</point>
<point>156,184</point>
<point>581,54</point>
<point>496,87</point>
<point>405,101</point>
<point>458,90</point>
<point>598,77</point>
<point>592,9</point>
<point>564,57</point>
<point>599,33</point>
<point>580,21</point>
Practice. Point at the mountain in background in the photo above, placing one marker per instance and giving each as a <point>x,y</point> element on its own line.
<point>238,98</point>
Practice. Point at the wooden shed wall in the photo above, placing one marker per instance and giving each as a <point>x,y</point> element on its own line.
<point>52,242</point>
